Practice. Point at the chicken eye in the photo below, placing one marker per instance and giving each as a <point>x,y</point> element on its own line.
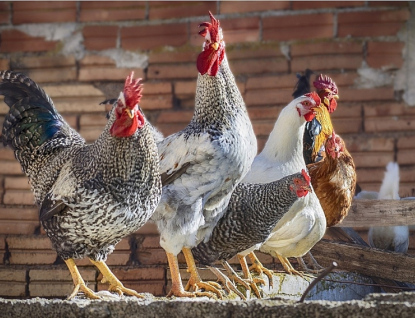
<point>306,103</point>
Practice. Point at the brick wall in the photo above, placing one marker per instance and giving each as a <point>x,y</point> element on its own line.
<point>81,52</point>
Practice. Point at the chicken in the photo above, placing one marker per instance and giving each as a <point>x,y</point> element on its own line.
<point>392,238</point>
<point>252,213</point>
<point>334,180</point>
<point>89,196</point>
<point>202,164</point>
<point>304,224</point>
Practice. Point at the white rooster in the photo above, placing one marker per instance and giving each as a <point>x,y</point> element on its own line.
<point>202,164</point>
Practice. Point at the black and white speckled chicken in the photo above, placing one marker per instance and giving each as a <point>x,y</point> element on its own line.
<point>252,213</point>
<point>202,164</point>
<point>89,196</point>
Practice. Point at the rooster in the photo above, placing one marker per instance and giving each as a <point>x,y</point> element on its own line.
<point>392,238</point>
<point>252,213</point>
<point>89,196</point>
<point>202,164</point>
<point>304,224</point>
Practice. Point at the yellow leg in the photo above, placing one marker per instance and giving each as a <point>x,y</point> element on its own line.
<point>259,268</point>
<point>288,267</point>
<point>195,281</point>
<point>176,280</point>
<point>79,282</point>
<point>115,284</point>
<point>248,276</point>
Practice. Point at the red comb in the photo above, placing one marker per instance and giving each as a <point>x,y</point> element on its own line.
<point>132,90</point>
<point>333,135</point>
<point>212,26</point>
<point>315,97</point>
<point>306,176</point>
<point>324,82</point>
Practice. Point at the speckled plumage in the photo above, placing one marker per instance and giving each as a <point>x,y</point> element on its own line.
<point>211,155</point>
<point>252,213</point>
<point>99,192</point>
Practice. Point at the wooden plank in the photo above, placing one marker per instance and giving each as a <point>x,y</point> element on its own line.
<point>364,213</point>
<point>366,261</point>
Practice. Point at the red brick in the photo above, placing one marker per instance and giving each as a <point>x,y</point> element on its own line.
<point>118,258</point>
<point>406,156</point>
<point>100,37</point>
<point>155,288</point>
<point>12,213</point>
<point>189,55</point>
<point>134,274</point>
<point>51,75</point>
<point>371,94</point>
<point>406,142</point>
<point>152,256</point>
<point>258,66</point>
<point>180,9</point>
<point>388,3</point>
<point>407,174</point>
<point>152,88</point>
<point>29,242</point>
<point>12,274</point>
<point>92,60</point>
<point>264,113</point>
<point>383,124</point>
<point>93,120</point>
<point>248,51</point>
<point>174,117</point>
<point>284,28</point>
<point>347,125</point>
<point>32,257</point>
<point>46,289</point>
<point>43,5</point>
<point>16,41</point>
<point>88,74</point>
<point>347,110</point>
<point>4,64</point>
<point>385,61</point>
<point>4,13</point>
<point>90,134</point>
<point>152,36</point>
<point>372,159</point>
<point>121,14</point>
<point>44,62</point>
<point>384,54</point>
<point>304,5</point>
<point>163,71</point>
<point>283,81</point>
<point>268,97</point>
<point>324,48</point>
<point>10,168</point>
<point>151,102</point>
<point>18,227</point>
<point>368,143</point>
<point>370,175</point>
<point>371,23</point>
<point>18,197</point>
<point>53,274</point>
<point>148,229</point>
<point>331,62</point>
<point>151,242</point>
<point>44,16</point>
<point>12,289</point>
<point>21,183</point>
<point>251,6</point>
<point>388,109</point>
<point>263,127</point>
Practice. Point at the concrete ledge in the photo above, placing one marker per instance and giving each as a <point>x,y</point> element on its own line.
<point>375,305</point>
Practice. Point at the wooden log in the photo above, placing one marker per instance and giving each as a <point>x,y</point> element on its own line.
<point>364,213</point>
<point>366,261</point>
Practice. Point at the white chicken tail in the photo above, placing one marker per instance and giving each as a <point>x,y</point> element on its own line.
<point>389,189</point>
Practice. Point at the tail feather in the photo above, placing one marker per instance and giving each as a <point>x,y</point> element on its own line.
<point>390,184</point>
<point>303,85</point>
<point>32,119</point>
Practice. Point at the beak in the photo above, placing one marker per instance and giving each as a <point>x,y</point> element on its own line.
<point>336,97</point>
<point>215,45</point>
<point>308,188</point>
<point>130,112</point>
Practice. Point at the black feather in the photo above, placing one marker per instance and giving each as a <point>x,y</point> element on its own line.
<point>49,208</point>
<point>303,84</point>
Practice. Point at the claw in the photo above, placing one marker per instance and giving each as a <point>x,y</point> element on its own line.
<point>260,269</point>
<point>228,285</point>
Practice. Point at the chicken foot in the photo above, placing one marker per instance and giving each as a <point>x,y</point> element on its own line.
<point>288,267</point>
<point>79,282</point>
<point>317,268</point>
<point>115,284</point>
<point>176,280</point>
<point>228,285</point>
<point>248,277</point>
<point>212,288</point>
<point>260,269</point>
